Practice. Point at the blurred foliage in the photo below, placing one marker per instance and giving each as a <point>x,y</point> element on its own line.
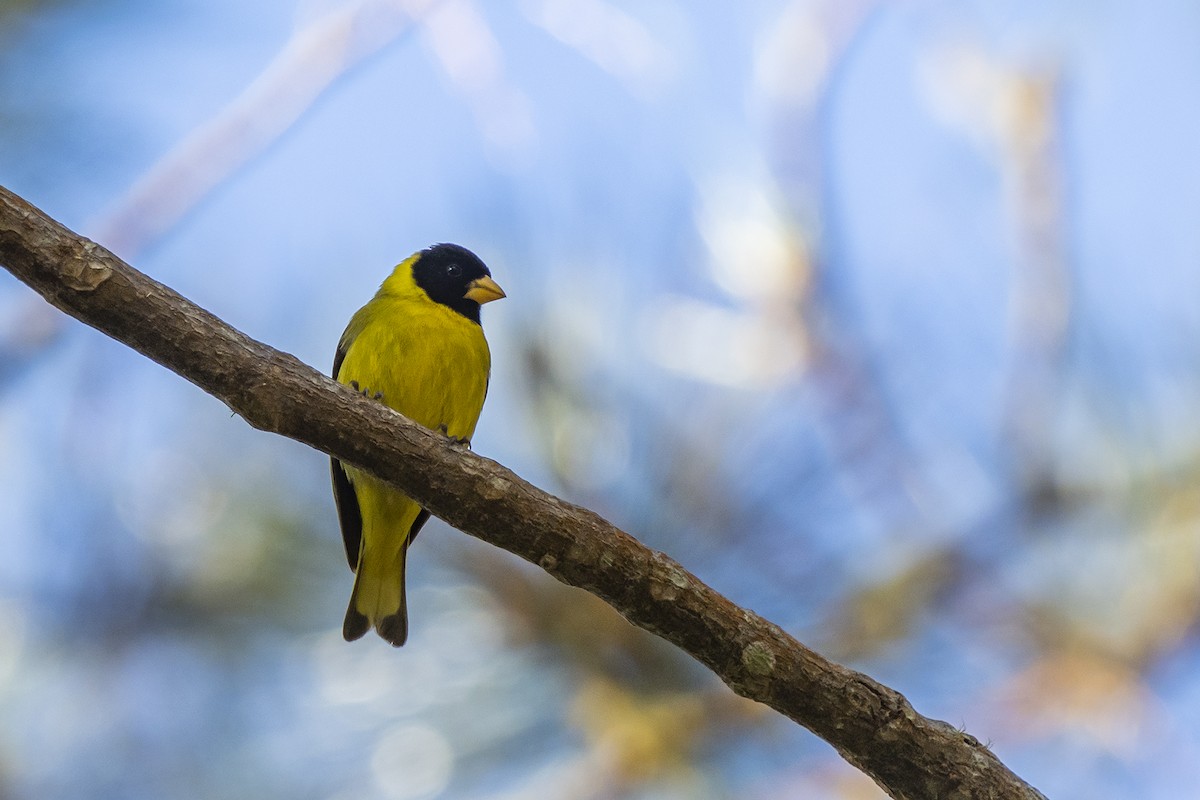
<point>879,317</point>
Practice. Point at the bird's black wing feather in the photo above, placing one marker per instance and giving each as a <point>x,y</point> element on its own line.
<point>421,519</point>
<point>349,514</point>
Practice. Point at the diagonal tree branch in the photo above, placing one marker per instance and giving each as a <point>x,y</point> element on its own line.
<point>872,726</point>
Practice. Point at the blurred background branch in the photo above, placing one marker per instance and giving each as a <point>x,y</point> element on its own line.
<point>322,51</point>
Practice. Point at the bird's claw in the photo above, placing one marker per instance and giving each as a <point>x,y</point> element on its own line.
<point>460,440</point>
<point>365,392</point>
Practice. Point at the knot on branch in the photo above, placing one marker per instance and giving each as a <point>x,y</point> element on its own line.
<point>759,659</point>
<point>82,271</point>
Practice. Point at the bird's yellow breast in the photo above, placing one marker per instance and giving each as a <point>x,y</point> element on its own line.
<point>430,363</point>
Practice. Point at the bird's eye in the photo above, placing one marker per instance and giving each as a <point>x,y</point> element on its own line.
<point>454,270</point>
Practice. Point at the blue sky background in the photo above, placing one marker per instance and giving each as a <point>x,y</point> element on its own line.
<point>881,317</point>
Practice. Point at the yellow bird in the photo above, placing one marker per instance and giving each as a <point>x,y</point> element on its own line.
<point>417,346</point>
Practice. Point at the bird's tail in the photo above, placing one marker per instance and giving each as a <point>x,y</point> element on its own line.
<point>378,596</point>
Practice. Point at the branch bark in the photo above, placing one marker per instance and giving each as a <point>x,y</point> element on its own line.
<point>871,726</point>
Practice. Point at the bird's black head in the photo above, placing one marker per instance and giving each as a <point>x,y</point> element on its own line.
<point>455,277</point>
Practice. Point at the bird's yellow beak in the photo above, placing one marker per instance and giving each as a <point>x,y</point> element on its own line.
<point>484,290</point>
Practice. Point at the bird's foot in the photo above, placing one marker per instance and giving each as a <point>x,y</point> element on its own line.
<point>459,440</point>
<point>365,392</point>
